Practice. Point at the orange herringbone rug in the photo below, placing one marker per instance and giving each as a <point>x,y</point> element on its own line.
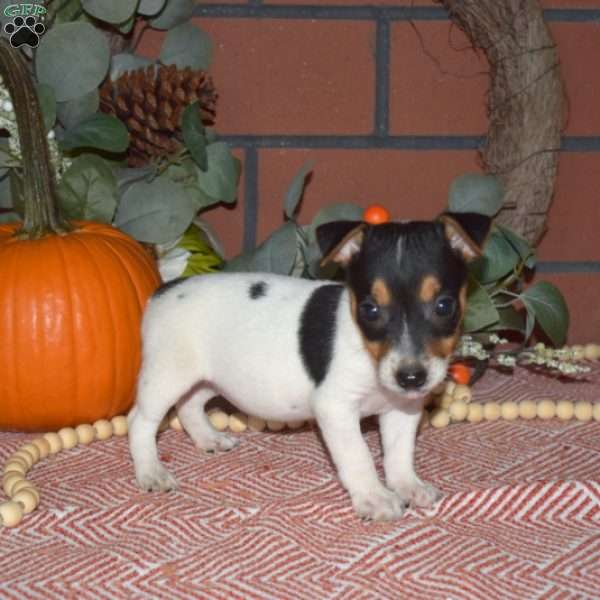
<point>520,518</point>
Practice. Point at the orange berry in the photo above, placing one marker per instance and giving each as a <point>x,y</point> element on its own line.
<point>460,373</point>
<point>376,214</point>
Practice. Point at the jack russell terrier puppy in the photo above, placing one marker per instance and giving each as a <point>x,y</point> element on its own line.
<point>284,348</point>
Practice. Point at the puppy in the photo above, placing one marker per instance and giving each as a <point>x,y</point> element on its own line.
<point>285,348</point>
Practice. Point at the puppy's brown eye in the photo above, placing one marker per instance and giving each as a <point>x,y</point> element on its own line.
<point>445,306</point>
<point>369,311</point>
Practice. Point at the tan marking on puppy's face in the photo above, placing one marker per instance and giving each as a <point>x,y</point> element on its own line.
<point>443,347</point>
<point>430,287</point>
<point>381,292</point>
<point>376,348</point>
<point>462,300</point>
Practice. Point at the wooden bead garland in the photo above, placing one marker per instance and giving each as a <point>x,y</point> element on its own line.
<point>455,405</point>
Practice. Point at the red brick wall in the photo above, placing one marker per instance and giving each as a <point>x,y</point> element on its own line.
<point>348,84</point>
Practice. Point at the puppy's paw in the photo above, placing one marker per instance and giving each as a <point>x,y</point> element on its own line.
<point>418,493</point>
<point>379,505</point>
<point>156,479</point>
<point>218,441</point>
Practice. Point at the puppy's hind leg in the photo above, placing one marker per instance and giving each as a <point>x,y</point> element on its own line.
<point>190,410</point>
<point>157,392</point>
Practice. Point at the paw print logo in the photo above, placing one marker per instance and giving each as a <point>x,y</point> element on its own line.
<point>24,32</point>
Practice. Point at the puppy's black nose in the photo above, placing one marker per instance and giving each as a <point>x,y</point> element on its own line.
<point>411,377</point>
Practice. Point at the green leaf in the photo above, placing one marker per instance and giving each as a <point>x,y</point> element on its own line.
<point>55,64</point>
<point>150,8</point>
<point>5,192</point>
<point>156,212</point>
<point>275,255</point>
<point>480,312</point>
<point>187,46</point>
<point>73,112</point>
<point>498,260</point>
<point>296,189</point>
<point>510,320</point>
<point>63,12</point>
<point>173,13</point>
<point>47,101</point>
<point>477,193</point>
<point>111,11</point>
<point>519,244</point>
<point>9,217</point>
<point>203,259</point>
<point>221,177</point>
<point>125,61</point>
<point>88,190</point>
<point>100,131</point>
<point>193,134</point>
<point>547,305</point>
<point>341,211</point>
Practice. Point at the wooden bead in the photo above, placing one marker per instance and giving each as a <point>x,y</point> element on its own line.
<point>26,456</point>
<point>33,450</point>
<point>446,400</point>
<point>11,513</point>
<point>20,485</point>
<point>546,409</point>
<point>54,441</point>
<point>578,352</point>
<point>175,423</point>
<point>491,411</point>
<point>475,414</point>
<point>15,465</point>
<point>527,409</point>
<point>274,425</point>
<point>8,481</point>
<point>509,410</point>
<point>564,410</point>
<point>583,410</point>
<point>591,351</point>
<point>450,386</point>
<point>596,411</point>
<point>86,434</point>
<point>43,446</point>
<point>68,437</point>
<point>295,424</point>
<point>119,425</point>
<point>27,498</point>
<point>462,392</point>
<point>256,423</point>
<point>104,429</point>
<point>458,410</point>
<point>238,422</point>
<point>218,419</point>
<point>440,418</point>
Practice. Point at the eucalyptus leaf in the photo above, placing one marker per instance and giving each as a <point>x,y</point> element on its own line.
<point>544,301</point>
<point>9,217</point>
<point>498,260</point>
<point>73,112</point>
<point>125,61</point>
<point>510,320</point>
<point>173,13</point>
<point>111,11</point>
<point>156,212</point>
<point>88,190</point>
<point>211,236</point>
<point>187,46</point>
<point>63,12</point>
<point>150,8</point>
<point>125,177</point>
<point>221,177</point>
<point>294,193</point>
<point>275,255</point>
<point>5,192</point>
<point>100,131</point>
<point>341,211</point>
<point>193,134</point>
<point>47,100</point>
<point>519,244</point>
<point>54,62</point>
<point>126,26</point>
<point>477,193</point>
<point>480,312</point>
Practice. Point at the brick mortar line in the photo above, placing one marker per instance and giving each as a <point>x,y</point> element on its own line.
<point>257,10</point>
<point>550,267</point>
<point>382,78</point>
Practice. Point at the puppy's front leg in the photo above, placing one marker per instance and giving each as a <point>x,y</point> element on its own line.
<point>398,432</point>
<point>340,426</point>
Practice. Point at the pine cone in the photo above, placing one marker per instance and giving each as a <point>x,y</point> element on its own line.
<point>150,103</point>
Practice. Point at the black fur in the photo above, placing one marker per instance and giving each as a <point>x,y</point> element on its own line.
<point>165,287</point>
<point>317,330</point>
<point>258,290</point>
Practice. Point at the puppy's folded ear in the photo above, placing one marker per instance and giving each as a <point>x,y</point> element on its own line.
<point>339,241</point>
<point>466,232</point>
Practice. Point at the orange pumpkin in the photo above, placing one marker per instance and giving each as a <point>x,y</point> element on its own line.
<point>71,296</point>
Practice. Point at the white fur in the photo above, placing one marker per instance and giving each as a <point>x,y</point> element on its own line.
<point>206,336</point>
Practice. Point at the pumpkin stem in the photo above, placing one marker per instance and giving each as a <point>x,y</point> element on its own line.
<point>42,215</point>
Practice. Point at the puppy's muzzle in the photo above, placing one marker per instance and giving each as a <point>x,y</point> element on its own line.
<point>411,377</point>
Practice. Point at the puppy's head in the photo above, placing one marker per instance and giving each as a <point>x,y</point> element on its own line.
<point>408,286</point>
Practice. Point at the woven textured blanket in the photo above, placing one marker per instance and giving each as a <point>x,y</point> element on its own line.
<point>520,517</point>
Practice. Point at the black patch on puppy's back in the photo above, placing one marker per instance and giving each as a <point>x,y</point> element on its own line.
<point>258,290</point>
<point>317,330</point>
